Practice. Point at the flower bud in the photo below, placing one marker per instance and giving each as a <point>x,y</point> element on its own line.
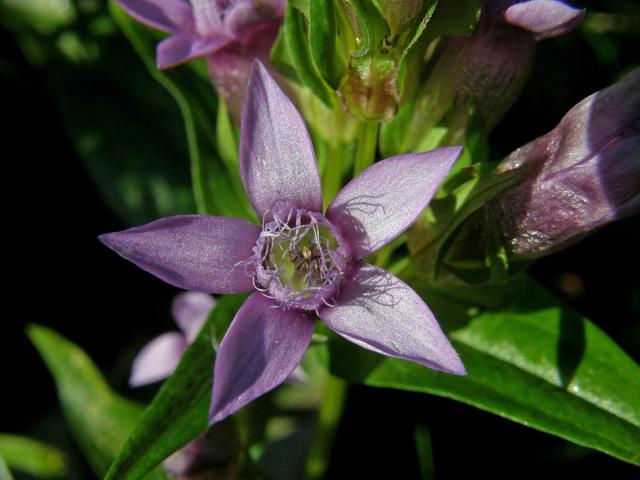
<point>580,176</point>
<point>492,64</point>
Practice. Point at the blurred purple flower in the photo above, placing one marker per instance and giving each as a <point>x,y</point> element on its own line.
<point>301,263</point>
<point>160,357</point>
<point>228,33</point>
<point>578,177</point>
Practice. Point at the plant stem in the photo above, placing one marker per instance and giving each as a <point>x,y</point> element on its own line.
<point>366,149</point>
<point>333,169</point>
<point>328,419</point>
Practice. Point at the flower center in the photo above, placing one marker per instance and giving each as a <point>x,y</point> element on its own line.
<point>299,258</point>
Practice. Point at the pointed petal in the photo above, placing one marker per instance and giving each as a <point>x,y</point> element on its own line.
<point>208,17</point>
<point>166,15</point>
<point>182,47</point>
<point>193,252</point>
<point>158,359</point>
<point>277,161</point>
<point>379,312</point>
<point>544,18</point>
<point>245,15</point>
<point>385,199</point>
<point>190,311</point>
<point>263,345</point>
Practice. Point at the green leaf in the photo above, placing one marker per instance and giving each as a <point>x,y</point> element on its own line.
<point>215,189</point>
<point>133,153</point>
<point>424,450</point>
<point>298,48</point>
<point>322,41</point>
<point>454,17</point>
<point>5,474</point>
<point>533,361</point>
<point>136,157</point>
<point>179,412</point>
<point>99,418</point>
<point>31,456</point>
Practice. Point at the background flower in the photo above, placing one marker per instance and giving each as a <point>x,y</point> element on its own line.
<point>229,34</point>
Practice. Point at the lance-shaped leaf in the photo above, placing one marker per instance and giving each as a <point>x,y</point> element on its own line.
<point>31,456</point>
<point>82,389</point>
<point>322,41</point>
<point>297,45</point>
<point>534,361</point>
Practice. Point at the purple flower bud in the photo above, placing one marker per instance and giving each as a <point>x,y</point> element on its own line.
<point>580,176</point>
<point>493,63</point>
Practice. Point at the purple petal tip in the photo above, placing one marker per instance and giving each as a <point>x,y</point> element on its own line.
<point>544,18</point>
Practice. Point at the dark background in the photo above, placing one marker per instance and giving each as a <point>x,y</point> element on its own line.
<point>59,275</point>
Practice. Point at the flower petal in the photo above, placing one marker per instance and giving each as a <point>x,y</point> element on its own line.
<point>183,47</point>
<point>385,199</point>
<point>158,359</point>
<point>544,18</point>
<point>277,161</point>
<point>193,252</point>
<point>381,313</point>
<point>263,345</point>
<point>244,15</point>
<point>166,15</point>
<point>190,311</point>
<point>208,17</point>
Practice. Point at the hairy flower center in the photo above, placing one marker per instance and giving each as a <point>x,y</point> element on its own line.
<point>299,259</point>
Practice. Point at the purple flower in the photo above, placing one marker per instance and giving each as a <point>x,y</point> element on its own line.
<point>160,357</point>
<point>580,176</point>
<point>228,33</point>
<point>300,263</point>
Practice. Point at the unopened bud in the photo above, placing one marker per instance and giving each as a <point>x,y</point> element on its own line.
<point>580,176</point>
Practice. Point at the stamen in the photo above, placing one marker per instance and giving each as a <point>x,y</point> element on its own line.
<point>298,259</point>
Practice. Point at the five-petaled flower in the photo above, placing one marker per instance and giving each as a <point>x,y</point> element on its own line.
<point>301,263</point>
<point>228,33</point>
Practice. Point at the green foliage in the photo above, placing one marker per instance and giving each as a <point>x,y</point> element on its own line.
<point>532,360</point>
<point>99,418</point>
<point>295,35</point>
<point>179,412</point>
<point>130,147</point>
<point>31,456</point>
<point>5,474</point>
<point>443,18</point>
<point>322,41</point>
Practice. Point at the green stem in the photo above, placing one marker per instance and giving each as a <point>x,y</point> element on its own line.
<point>333,156</point>
<point>366,149</point>
<point>328,419</point>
